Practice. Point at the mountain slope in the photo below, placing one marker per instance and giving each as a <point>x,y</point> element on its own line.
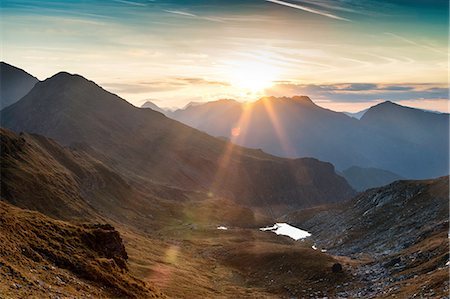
<point>42,257</point>
<point>384,138</point>
<point>364,178</point>
<point>400,229</point>
<point>148,148</point>
<point>14,84</point>
<point>39,174</point>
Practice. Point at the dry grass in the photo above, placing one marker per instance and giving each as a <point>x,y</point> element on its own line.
<point>41,257</point>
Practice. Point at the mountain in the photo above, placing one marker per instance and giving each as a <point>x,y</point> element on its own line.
<point>42,257</point>
<point>356,115</point>
<point>15,83</point>
<point>153,106</point>
<point>400,228</point>
<point>216,118</point>
<point>364,178</point>
<point>163,230</point>
<point>152,151</point>
<point>73,185</point>
<point>403,140</point>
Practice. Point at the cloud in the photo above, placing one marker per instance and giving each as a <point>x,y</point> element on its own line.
<point>141,87</point>
<point>130,2</point>
<point>169,84</point>
<point>181,13</point>
<point>411,42</point>
<point>308,9</point>
<point>188,14</point>
<point>362,92</point>
<point>201,81</point>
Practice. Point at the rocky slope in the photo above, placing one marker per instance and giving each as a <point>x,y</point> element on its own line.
<point>42,257</point>
<point>14,84</point>
<point>399,229</point>
<point>150,149</point>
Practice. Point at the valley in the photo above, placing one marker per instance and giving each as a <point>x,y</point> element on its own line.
<point>103,199</point>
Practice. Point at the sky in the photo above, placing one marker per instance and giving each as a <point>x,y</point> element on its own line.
<point>346,55</point>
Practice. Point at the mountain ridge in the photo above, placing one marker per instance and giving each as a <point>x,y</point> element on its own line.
<point>297,127</point>
<point>14,84</point>
<point>147,147</point>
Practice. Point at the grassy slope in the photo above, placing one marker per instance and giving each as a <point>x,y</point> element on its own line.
<point>42,257</point>
<point>173,244</point>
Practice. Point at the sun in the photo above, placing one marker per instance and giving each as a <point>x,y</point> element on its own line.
<point>253,77</point>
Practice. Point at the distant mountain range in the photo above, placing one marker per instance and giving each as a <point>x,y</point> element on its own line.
<point>151,105</point>
<point>410,142</point>
<point>156,152</point>
<point>15,83</point>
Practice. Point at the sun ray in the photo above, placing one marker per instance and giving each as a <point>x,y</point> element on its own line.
<point>281,135</point>
<point>224,160</point>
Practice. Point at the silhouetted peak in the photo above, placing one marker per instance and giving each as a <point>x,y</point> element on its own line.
<point>303,100</point>
<point>7,69</point>
<point>65,76</point>
<point>149,104</point>
<point>388,104</point>
<point>67,80</point>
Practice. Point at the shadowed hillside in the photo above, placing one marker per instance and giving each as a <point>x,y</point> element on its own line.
<point>149,148</point>
<point>410,142</point>
<point>39,174</point>
<point>14,84</point>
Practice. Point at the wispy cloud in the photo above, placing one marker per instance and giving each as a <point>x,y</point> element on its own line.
<point>308,9</point>
<point>363,92</point>
<point>163,85</point>
<point>188,14</point>
<point>411,42</point>
<point>181,13</point>
<point>202,81</point>
<point>131,2</point>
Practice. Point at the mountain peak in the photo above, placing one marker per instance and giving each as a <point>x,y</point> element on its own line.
<point>66,77</point>
<point>15,83</point>
<point>305,100</point>
<point>388,104</point>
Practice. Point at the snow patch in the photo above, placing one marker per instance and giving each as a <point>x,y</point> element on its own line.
<point>222,227</point>
<point>287,230</point>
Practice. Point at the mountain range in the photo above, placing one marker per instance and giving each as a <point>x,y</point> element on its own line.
<point>408,142</point>
<point>156,152</point>
<point>101,198</point>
